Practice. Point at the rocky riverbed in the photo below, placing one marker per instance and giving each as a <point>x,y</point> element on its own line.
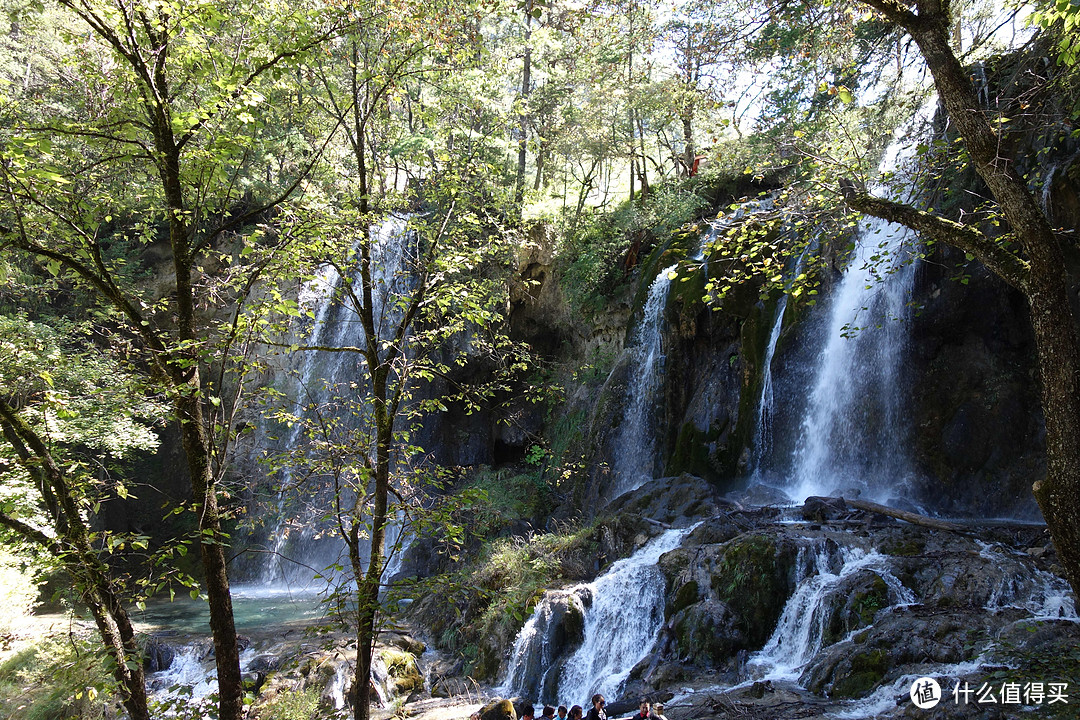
<point>823,610</point>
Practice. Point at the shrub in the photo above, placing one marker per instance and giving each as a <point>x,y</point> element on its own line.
<point>58,677</point>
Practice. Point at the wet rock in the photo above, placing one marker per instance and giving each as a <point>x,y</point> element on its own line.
<point>708,632</point>
<point>558,628</point>
<point>759,688</point>
<point>727,596</point>
<point>856,603</point>
<point>264,664</point>
<point>823,509</point>
<point>898,640</point>
<point>157,655</point>
<point>408,643</point>
<point>671,500</point>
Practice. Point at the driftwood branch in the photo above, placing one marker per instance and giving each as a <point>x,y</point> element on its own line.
<point>910,517</point>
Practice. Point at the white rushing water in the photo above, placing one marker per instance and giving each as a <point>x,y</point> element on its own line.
<point>637,456</point>
<point>299,547</point>
<point>852,437</point>
<point>635,463</point>
<point>190,680</point>
<point>623,612</point>
<point>799,633</point>
<point>1045,595</point>
<point>622,624</point>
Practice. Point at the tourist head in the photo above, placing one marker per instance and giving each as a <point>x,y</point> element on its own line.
<point>549,712</point>
<point>562,712</point>
<point>643,705</point>
<point>527,710</point>
<point>575,712</point>
<point>598,701</point>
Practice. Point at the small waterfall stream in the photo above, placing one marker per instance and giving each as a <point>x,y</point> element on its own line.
<point>637,458</point>
<point>822,569</point>
<point>623,610</point>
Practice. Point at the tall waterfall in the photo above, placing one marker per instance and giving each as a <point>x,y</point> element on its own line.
<point>635,463</point>
<point>853,434</point>
<point>300,545</point>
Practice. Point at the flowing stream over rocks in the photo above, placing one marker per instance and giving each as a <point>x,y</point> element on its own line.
<point>606,626</point>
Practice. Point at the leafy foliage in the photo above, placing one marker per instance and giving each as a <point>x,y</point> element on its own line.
<point>57,677</point>
<point>594,255</point>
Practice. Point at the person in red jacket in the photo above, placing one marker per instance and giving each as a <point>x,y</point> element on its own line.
<point>643,711</point>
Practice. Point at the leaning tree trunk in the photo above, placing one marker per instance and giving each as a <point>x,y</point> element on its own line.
<point>1045,282</point>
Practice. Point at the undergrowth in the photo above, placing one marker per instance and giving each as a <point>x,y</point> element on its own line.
<point>58,678</point>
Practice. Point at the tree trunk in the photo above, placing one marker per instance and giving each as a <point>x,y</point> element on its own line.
<point>688,141</point>
<point>1045,282</point>
<point>73,547</point>
<point>212,544</point>
<point>523,115</point>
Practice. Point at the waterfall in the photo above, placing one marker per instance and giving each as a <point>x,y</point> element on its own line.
<point>301,546</point>
<point>853,433</point>
<point>763,425</point>
<point>766,407</point>
<point>822,569</point>
<point>623,612</point>
<point>635,463</point>
<point>622,624</point>
<point>637,454</point>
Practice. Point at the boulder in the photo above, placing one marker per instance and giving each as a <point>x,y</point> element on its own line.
<point>499,709</point>
<point>157,655</point>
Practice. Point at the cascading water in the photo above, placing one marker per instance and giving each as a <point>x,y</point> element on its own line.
<point>766,407</point>
<point>636,461</point>
<point>852,437</point>
<point>623,612</point>
<point>822,569</point>
<point>301,549</point>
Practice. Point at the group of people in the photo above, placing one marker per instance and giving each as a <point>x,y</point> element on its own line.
<point>646,711</point>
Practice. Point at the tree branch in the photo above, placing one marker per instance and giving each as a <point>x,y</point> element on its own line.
<point>997,259</point>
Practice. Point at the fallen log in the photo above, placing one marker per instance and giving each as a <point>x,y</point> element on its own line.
<point>910,517</point>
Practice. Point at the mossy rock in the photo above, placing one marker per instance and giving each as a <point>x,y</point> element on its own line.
<point>403,671</point>
<point>865,672</point>
<point>859,606</point>
<point>905,546</point>
<point>708,632</point>
<point>691,453</point>
<point>498,710</point>
<point>752,579</point>
<point>685,596</point>
<point>486,665</point>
